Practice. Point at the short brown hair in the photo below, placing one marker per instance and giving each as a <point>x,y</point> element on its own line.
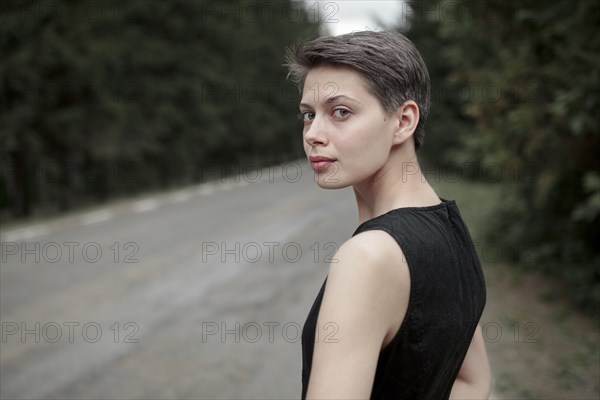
<point>388,61</point>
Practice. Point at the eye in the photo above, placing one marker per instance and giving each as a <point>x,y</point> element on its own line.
<point>341,113</point>
<point>306,116</point>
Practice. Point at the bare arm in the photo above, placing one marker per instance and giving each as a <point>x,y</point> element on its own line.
<point>474,378</point>
<point>367,288</point>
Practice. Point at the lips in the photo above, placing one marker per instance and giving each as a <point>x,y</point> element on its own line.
<point>320,163</point>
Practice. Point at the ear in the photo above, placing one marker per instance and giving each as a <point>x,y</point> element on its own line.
<point>408,119</point>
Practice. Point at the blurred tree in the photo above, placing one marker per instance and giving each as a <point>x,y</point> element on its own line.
<point>447,122</point>
<point>537,66</point>
<point>108,98</point>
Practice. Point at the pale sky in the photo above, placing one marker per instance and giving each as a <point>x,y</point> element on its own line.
<point>345,16</point>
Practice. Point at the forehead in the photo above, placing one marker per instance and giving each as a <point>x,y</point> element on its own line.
<point>327,81</point>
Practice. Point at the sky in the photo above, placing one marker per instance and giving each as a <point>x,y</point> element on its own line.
<point>345,16</point>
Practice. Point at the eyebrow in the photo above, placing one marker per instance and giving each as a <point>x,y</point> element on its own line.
<point>333,99</point>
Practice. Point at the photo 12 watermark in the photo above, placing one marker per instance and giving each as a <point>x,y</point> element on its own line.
<point>269,251</point>
<point>246,92</point>
<point>470,171</point>
<point>515,91</point>
<point>252,172</point>
<point>253,332</point>
<point>69,252</point>
<point>67,173</point>
<point>454,12</point>
<point>90,92</point>
<point>69,332</point>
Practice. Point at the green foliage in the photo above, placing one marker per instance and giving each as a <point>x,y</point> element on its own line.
<point>109,98</point>
<point>538,67</point>
<point>447,122</point>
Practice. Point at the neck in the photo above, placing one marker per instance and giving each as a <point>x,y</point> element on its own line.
<point>399,183</point>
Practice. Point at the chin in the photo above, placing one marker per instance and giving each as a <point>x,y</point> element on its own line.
<point>329,181</point>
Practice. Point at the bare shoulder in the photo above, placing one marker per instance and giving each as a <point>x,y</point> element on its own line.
<point>369,281</point>
<point>374,254</point>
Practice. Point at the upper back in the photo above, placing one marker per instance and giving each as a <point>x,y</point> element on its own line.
<point>447,297</point>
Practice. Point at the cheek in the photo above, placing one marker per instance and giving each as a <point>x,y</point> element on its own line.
<point>372,148</point>
<point>368,142</point>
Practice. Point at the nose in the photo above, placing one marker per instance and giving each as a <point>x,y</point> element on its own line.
<point>315,134</point>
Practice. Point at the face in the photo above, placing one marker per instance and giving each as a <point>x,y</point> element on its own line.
<point>347,135</point>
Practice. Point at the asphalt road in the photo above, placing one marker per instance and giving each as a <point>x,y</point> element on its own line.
<point>199,293</point>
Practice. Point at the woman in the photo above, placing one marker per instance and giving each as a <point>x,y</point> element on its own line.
<point>406,291</point>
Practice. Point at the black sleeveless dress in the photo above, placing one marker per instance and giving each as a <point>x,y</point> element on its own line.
<point>447,297</point>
